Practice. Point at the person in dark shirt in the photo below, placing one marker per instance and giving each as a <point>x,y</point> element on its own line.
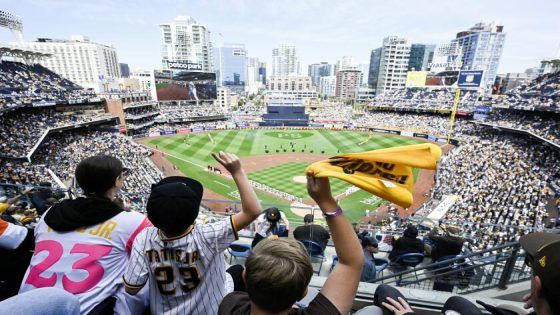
<point>278,271</point>
<point>312,232</point>
<point>446,242</point>
<point>408,243</point>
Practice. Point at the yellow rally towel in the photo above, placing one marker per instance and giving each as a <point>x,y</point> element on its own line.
<point>386,173</point>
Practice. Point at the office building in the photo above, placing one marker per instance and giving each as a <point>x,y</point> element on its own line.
<point>284,60</point>
<point>125,71</point>
<point>390,63</point>
<point>289,83</point>
<point>89,64</point>
<point>327,86</point>
<point>347,83</point>
<point>318,70</point>
<point>230,64</point>
<point>421,56</point>
<point>186,40</point>
<point>482,47</point>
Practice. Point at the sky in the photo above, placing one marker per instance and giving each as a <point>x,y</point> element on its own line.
<point>321,30</point>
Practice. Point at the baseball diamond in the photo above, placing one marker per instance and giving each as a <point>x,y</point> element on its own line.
<point>283,156</point>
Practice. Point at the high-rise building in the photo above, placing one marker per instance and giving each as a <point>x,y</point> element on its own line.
<point>125,70</point>
<point>482,47</point>
<point>512,80</point>
<point>346,62</point>
<point>347,83</point>
<point>390,62</point>
<point>318,70</point>
<point>89,64</point>
<point>289,82</point>
<point>327,86</point>
<point>374,63</point>
<point>364,69</point>
<point>186,40</point>
<point>146,81</point>
<point>285,60</point>
<point>262,72</point>
<point>230,64</point>
<point>420,56</point>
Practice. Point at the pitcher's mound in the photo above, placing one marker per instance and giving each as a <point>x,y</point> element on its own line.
<point>300,179</point>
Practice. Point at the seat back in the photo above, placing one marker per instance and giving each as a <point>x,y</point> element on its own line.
<point>313,248</point>
<point>239,248</point>
<point>410,259</point>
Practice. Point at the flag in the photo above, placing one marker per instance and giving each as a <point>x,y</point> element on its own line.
<point>386,173</point>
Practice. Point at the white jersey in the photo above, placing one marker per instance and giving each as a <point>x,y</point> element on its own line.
<point>187,273</point>
<point>88,263</point>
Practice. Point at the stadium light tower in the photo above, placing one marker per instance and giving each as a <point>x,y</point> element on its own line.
<point>14,23</point>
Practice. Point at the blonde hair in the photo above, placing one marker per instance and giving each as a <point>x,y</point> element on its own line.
<point>277,273</point>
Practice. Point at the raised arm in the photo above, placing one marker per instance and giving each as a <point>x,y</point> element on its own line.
<point>251,207</point>
<point>341,285</point>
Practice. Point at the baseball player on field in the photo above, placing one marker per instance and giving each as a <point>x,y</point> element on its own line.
<point>182,260</point>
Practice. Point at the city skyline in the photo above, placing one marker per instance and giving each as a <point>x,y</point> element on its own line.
<point>320,30</point>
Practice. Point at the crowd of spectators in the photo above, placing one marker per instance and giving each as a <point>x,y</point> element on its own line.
<point>20,131</point>
<point>425,99</point>
<point>331,111</point>
<point>499,179</point>
<point>62,152</point>
<point>186,112</point>
<point>545,126</point>
<point>24,84</point>
<point>143,111</point>
<point>542,93</point>
<point>424,123</point>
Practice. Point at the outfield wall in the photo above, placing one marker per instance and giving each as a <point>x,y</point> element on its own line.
<point>213,127</point>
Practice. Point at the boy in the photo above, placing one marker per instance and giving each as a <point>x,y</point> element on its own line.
<point>278,271</point>
<point>184,261</point>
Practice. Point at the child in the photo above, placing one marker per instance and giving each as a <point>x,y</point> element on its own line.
<point>184,261</point>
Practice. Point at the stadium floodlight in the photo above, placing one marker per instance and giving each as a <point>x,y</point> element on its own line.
<point>11,21</point>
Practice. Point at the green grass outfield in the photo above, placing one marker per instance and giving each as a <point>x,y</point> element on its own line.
<point>191,154</point>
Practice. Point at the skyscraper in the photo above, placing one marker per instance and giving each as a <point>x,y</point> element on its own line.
<point>374,63</point>
<point>125,70</point>
<point>390,62</point>
<point>482,47</point>
<point>420,56</point>
<point>284,60</point>
<point>318,70</point>
<point>186,40</point>
<point>230,64</point>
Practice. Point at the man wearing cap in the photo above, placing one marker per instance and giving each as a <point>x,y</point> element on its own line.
<point>370,246</point>
<point>542,252</point>
<point>312,232</point>
<point>447,241</point>
<point>183,260</point>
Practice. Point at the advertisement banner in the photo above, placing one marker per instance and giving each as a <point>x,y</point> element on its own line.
<point>416,79</point>
<point>154,134</point>
<point>432,138</point>
<point>441,209</point>
<point>442,140</point>
<point>94,99</point>
<point>182,131</point>
<point>180,65</point>
<point>209,127</point>
<point>421,135</point>
<point>482,109</point>
<point>197,129</point>
<point>43,103</point>
<point>407,133</point>
<point>470,79</point>
<point>168,132</point>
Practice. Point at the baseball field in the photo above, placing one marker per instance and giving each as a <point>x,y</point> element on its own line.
<point>275,159</point>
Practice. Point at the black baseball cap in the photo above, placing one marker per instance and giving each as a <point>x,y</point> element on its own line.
<point>543,255</point>
<point>369,241</point>
<point>174,203</point>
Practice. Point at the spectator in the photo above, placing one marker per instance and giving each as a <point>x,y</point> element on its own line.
<point>92,225</point>
<point>312,232</point>
<point>272,222</point>
<point>173,207</point>
<point>446,241</point>
<point>279,270</point>
<point>408,243</point>
<point>543,256</point>
<point>16,245</point>
<point>370,247</point>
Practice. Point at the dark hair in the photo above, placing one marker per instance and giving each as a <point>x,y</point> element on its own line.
<point>308,218</point>
<point>273,216</point>
<point>411,231</point>
<point>97,174</point>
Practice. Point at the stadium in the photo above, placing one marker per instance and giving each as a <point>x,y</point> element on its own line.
<point>497,181</point>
